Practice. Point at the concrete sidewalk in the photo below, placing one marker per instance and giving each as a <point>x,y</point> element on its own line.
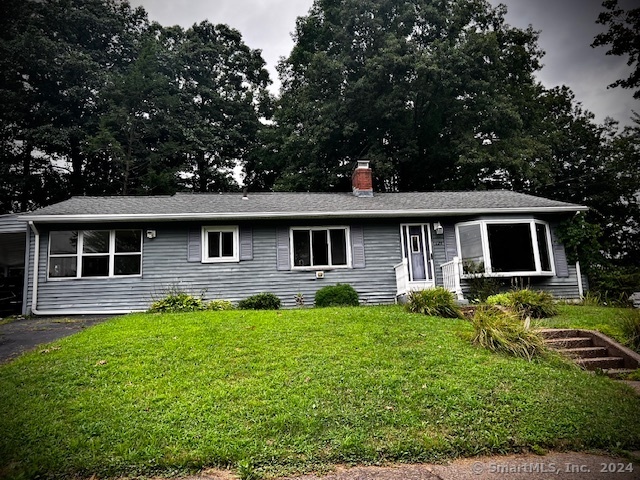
<point>561,466</point>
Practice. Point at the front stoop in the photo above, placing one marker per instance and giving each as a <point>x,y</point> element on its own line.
<point>592,351</point>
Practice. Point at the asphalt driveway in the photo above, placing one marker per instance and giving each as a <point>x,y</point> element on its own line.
<point>26,334</point>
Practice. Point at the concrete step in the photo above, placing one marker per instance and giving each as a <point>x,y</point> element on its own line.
<point>569,342</point>
<point>549,333</point>
<point>617,372</point>
<point>601,363</point>
<point>584,352</point>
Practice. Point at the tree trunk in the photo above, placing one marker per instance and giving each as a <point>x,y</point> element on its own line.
<point>128,159</point>
<point>203,172</point>
<point>25,195</point>
<point>77,163</point>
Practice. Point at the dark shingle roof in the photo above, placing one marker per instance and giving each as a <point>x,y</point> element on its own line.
<point>295,205</point>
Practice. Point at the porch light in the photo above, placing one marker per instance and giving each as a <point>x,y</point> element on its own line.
<point>437,227</point>
<point>151,234</point>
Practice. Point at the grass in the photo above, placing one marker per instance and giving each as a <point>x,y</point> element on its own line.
<point>279,392</point>
<point>10,319</point>
<point>603,319</point>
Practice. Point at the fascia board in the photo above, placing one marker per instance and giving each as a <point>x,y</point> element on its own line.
<point>162,217</point>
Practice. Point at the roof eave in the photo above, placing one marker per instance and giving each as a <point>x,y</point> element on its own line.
<point>168,217</point>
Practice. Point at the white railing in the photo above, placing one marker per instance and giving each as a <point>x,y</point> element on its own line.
<point>402,277</point>
<point>451,277</point>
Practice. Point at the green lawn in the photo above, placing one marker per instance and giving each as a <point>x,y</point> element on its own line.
<point>603,319</point>
<point>291,391</point>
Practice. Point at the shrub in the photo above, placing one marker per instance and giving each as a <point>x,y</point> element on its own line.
<point>481,287</point>
<point>436,302</point>
<point>614,284</point>
<point>340,295</point>
<point>177,302</point>
<point>526,303</point>
<point>261,301</point>
<point>219,305</point>
<point>630,326</point>
<point>503,332</point>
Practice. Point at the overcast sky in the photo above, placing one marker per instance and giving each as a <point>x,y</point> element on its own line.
<point>567,30</point>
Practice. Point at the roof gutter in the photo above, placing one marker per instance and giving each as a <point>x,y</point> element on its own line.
<point>166,217</point>
<point>36,265</point>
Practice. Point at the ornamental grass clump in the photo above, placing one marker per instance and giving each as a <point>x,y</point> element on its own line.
<point>630,326</point>
<point>503,332</point>
<point>526,303</point>
<point>435,302</point>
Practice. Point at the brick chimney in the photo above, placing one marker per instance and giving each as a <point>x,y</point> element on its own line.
<point>362,180</point>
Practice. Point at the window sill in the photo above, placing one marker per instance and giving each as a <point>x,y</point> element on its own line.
<point>466,276</point>
<point>62,279</point>
<point>221,260</point>
<point>324,268</point>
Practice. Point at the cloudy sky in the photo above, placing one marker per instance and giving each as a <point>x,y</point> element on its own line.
<point>567,30</point>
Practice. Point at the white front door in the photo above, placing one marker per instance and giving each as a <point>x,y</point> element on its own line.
<point>416,249</point>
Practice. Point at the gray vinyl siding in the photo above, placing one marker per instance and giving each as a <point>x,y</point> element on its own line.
<point>438,250</point>
<point>560,287</point>
<point>11,224</point>
<point>171,261</point>
<point>165,266</point>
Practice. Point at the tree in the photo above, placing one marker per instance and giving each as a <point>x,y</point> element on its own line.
<point>623,38</point>
<point>54,58</point>
<point>431,92</point>
<point>136,147</point>
<point>222,88</point>
<point>593,165</point>
<point>184,113</point>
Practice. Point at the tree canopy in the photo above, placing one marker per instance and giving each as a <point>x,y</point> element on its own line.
<point>434,93</point>
<point>438,94</point>
<point>98,100</point>
<point>623,38</point>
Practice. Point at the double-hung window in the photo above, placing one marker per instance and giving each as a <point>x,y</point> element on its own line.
<point>95,253</point>
<point>220,244</point>
<point>320,247</point>
<point>505,247</point>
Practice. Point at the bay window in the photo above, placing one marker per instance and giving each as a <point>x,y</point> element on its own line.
<point>95,253</point>
<point>505,247</point>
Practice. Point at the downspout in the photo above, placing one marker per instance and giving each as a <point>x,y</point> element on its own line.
<point>579,275</point>
<point>36,264</point>
<point>34,295</point>
<point>25,275</point>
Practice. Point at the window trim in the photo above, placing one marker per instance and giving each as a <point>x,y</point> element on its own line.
<point>205,258</point>
<point>486,252</point>
<point>80,254</point>
<point>348,247</point>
